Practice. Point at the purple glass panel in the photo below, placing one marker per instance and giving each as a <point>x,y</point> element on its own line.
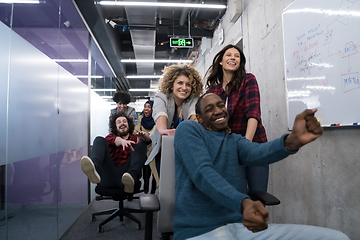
<point>54,178</point>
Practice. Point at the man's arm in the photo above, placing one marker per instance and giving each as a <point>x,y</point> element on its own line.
<point>306,129</point>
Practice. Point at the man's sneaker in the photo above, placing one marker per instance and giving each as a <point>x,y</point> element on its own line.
<point>88,167</point>
<point>128,182</point>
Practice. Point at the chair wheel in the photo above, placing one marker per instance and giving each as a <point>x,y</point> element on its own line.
<point>101,229</point>
<point>139,227</point>
<point>93,218</point>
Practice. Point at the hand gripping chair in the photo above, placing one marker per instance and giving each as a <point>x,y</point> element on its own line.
<point>164,203</point>
<point>120,196</point>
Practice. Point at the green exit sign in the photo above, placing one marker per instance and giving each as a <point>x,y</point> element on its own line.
<point>182,42</point>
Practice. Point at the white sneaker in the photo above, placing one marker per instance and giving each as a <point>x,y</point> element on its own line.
<point>88,167</point>
<point>128,182</point>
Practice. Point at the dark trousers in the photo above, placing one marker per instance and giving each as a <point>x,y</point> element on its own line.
<point>110,172</point>
<point>257,177</point>
<point>147,177</point>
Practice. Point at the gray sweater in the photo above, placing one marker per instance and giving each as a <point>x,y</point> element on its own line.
<point>130,112</point>
<point>165,106</point>
<point>210,181</point>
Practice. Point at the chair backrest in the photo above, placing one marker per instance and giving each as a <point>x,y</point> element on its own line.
<point>166,185</point>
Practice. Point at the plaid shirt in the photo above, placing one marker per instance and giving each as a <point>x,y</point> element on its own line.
<point>119,155</point>
<point>242,105</point>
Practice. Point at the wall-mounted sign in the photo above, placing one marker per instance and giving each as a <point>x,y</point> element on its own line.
<point>182,42</point>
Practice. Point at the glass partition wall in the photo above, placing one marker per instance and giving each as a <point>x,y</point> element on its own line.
<point>45,101</point>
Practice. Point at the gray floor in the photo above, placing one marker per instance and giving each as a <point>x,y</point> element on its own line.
<point>85,228</point>
<point>38,221</point>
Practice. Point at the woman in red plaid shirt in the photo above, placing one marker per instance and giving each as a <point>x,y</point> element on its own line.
<point>239,91</point>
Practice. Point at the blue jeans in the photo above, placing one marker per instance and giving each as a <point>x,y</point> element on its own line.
<point>237,231</point>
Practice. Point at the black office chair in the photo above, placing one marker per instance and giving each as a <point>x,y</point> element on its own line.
<point>120,196</point>
<point>165,202</point>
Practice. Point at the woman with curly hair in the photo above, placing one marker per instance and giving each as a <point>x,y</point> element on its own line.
<point>239,91</point>
<point>180,87</point>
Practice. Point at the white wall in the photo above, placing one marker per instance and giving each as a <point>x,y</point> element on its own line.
<point>99,116</point>
<point>319,185</point>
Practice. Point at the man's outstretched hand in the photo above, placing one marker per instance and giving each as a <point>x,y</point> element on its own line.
<point>306,129</point>
<point>124,143</point>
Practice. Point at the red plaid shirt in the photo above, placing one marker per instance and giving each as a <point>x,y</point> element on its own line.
<point>242,105</point>
<point>119,155</point>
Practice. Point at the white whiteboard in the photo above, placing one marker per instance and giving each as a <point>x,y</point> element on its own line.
<point>322,60</point>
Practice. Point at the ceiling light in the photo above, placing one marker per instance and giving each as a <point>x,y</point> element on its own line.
<point>161,4</point>
<point>71,60</point>
<point>143,90</point>
<point>20,1</point>
<point>155,61</point>
<point>144,76</point>
<point>86,76</point>
<point>103,89</point>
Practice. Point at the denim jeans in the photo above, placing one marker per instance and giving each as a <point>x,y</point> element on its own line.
<point>237,231</point>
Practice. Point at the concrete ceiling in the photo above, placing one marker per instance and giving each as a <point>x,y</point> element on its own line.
<point>59,29</point>
<point>144,33</point>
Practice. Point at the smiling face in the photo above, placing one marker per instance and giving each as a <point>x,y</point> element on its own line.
<point>121,106</point>
<point>147,110</point>
<point>122,126</point>
<point>181,88</point>
<point>213,113</point>
<point>230,60</point>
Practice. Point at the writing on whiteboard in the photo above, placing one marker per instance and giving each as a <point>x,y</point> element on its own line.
<point>306,64</point>
<point>321,50</point>
<point>350,81</point>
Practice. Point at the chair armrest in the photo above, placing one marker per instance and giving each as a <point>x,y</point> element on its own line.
<point>264,197</point>
<point>149,202</point>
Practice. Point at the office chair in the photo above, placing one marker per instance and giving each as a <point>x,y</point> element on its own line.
<point>120,196</point>
<point>165,202</point>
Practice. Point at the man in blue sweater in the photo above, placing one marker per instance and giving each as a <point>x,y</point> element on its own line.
<point>210,183</point>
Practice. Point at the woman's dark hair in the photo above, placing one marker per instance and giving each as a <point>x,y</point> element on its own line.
<point>112,124</point>
<point>216,75</point>
<point>122,97</point>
